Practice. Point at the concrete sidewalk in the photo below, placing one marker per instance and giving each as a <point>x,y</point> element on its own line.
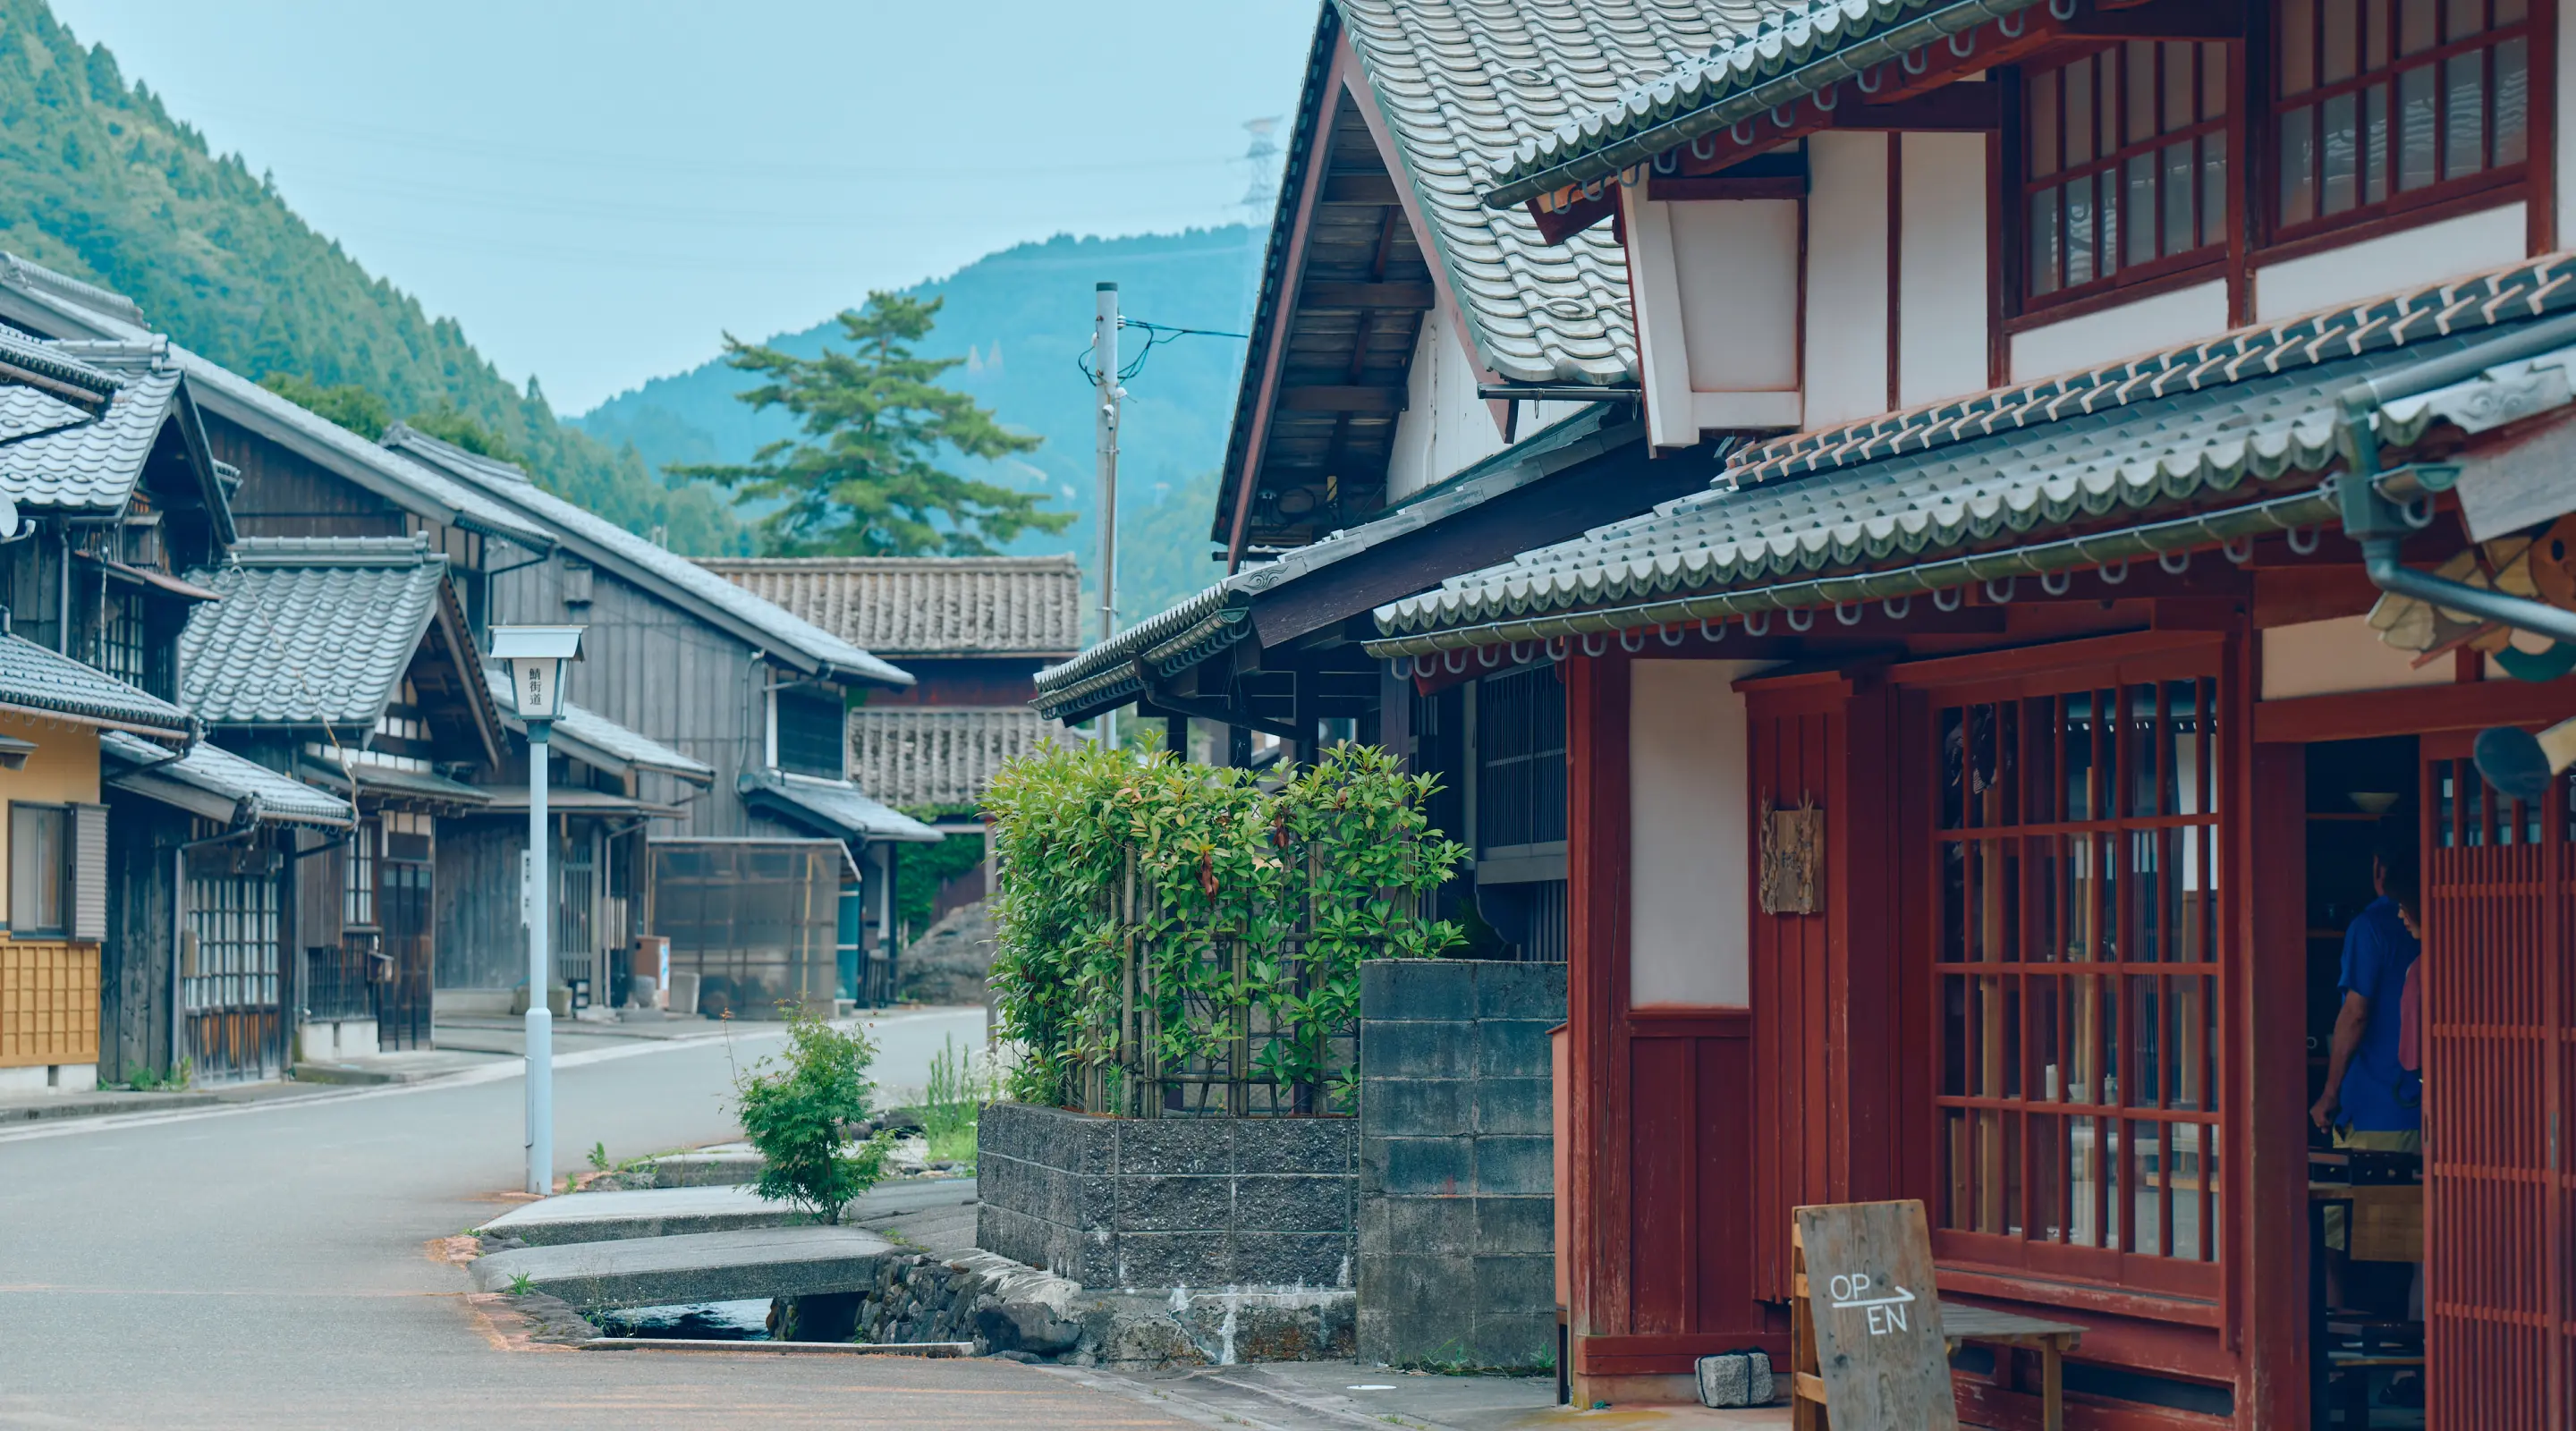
<point>692,1267</point>
<point>1315,1395</point>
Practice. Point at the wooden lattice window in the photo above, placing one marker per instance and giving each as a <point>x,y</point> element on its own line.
<point>2078,960</point>
<point>2386,105</point>
<point>2125,157</point>
<point>230,958</point>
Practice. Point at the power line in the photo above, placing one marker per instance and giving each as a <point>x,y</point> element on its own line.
<point>1156,335</point>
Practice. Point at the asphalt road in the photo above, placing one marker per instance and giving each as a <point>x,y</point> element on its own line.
<point>268,1266</point>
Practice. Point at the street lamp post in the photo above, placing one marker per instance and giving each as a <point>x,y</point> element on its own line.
<point>535,657</point>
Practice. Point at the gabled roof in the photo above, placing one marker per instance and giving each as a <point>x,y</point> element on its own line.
<point>2216,441</point>
<point>93,466</point>
<point>791,639</point>
<point>310,631</point>
<point>1765,54</point>
<point>832,807</point>
<point>33,294</point>
<point>30,362</point>
<point>941,755</point>
<point>34,679</point>
<point>1461,86</point>
<point>925,606</point>
<point>602,743</point>
<point>213,782</point>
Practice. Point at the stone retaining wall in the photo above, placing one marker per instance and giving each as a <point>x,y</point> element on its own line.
<point>1168,1203</point>
<point>1007,1309</point>
<point>1457,1261</point>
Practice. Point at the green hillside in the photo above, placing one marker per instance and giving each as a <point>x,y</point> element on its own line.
<point>1021,317</point>
<point>104,184</point>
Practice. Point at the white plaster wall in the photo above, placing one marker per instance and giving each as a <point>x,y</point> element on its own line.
<point>1846,326</point>
<point>2317,658</point>
<point>1735,263</point>
<point>2165,321</point>
<point>2410,258</point>
<point>1943,308</point>
<point>1688,825</point>
<point>1444,426</point>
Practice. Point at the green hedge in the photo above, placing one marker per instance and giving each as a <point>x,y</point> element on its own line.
<point>1169,931</point>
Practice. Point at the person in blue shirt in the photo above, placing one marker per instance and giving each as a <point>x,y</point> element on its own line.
<point>2363,1104</point>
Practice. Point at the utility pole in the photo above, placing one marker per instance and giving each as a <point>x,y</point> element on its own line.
<point>535,657</point>
<point>1104,358</point>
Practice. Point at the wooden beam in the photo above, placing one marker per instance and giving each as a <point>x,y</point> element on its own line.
<point>2162,20</point>
<point>1956,108</point>
<point>1324,293</point>
<point>1727,186</point>
<point>2414,710</point>
<point>1374,189</point>
<point>1342,397</point>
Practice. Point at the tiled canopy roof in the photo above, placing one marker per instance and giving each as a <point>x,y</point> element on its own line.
<point>310,631</point>
<point>833,807</point>
<point>1828,517</point>
<point>209,777</point>
<point>1462,83</point>
<point>925,755</point>
<point>33,678</point>
<point>80,465</point>
<point>605,738</point>
<point>671,577</point>
<point>923,606</point>
<point>1765,54</point>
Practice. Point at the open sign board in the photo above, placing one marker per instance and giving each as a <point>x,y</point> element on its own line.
<point>1878,1342</point>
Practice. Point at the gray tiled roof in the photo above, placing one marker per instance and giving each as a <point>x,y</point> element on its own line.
<point>1802,521</point>
<point>34,678</point>
<point>833,805</point>
<point>605,737</point>
<point>913,606</point>
<point>1769,53</point>
<point>36,357</point>
<point>94,312</point>
<point>1462,82</point>
<point>311,630</point>
<point>91,466</point>
<point>930,755</point>
<point>672,577</point>
<point>217,775</point>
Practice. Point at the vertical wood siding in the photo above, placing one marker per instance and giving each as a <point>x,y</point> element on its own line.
<point>284,495</point>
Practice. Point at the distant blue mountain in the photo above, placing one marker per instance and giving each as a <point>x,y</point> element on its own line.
<point>1022,317</point>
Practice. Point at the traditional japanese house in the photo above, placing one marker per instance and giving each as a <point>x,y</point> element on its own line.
<point>112,492</point>
<point>348,663</point>
<point>974,632</point>
<point>1430,385</point>
<point>1968,790</point>
<point>754,694</point>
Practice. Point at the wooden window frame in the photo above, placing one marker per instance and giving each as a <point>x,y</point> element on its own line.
<point>780,703</point>
<point>62,872</point>
<point>2032,1251</point>
<point>2206,260</point>
<point>2490,187</point>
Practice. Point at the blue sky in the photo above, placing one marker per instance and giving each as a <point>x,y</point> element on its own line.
<point>597,189</point>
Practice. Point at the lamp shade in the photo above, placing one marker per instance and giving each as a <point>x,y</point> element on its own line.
<point>534,658</point>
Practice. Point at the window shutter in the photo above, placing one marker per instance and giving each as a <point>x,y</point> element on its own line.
<point>89,872</point>
<point>320,880</point>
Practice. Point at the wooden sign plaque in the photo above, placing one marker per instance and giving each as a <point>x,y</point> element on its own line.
<point>1871,1355</point>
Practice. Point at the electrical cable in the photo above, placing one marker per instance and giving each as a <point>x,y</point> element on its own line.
<point>1156,334</point>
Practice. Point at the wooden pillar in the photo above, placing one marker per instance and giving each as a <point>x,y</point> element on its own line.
<point>1238,746</point>
<point>1596,749</point>
<point>2267,996</point>
<point>1176,736</point>
<point>1394,731</point>
<point>1309,707</point>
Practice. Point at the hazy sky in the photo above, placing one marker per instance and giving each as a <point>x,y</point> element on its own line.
<point>598,189</point>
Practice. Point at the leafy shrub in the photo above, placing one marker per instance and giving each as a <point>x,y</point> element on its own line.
<point>800,1117</point>
<point>1154,915</point>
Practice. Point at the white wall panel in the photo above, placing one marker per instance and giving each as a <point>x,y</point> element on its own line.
<point>2409,258</point>
<point>1445,427</point>
<point>2167,320</point>
<point>1735,262</point>
<point>1688,892</point>
<point>1942,309</point>
<point>1846,277</point>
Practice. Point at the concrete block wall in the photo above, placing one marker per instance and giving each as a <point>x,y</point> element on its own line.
<point>1457,1176</point>
<point>1161,1203</point>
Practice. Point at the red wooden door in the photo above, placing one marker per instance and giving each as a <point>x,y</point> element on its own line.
<point>2498,882</point>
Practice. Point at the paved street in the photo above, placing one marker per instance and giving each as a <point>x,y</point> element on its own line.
<point>267,1265</point>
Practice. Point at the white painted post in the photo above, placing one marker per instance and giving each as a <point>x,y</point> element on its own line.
<point>541,1033</point>
<point>1104,357</point>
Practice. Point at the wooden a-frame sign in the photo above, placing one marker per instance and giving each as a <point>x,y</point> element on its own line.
<point>1869,1353</point>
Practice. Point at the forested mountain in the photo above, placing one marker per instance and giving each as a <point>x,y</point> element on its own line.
<point>103,183</point>
<point>1021,317</point>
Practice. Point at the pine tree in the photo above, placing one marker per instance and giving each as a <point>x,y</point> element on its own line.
<point>866,479</point>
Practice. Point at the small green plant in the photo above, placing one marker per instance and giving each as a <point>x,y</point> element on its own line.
<point>176,1080</point>
<point>799,1115</point>
<point>519,1285</point>
<point>952,1102</point>
<point>599,1158</point>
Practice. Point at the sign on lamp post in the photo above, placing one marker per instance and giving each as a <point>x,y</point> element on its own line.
<point>534,657</point>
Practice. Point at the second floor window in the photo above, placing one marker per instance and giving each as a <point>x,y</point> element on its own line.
<point>2126,153</point>
<point>812,731</point>
<point>2385,105</point>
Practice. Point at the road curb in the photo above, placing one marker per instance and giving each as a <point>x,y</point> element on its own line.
<point>689,1344</point>
<point>75,1106</point>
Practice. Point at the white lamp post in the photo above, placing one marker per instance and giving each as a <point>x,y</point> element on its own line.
<point>534,657</point>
